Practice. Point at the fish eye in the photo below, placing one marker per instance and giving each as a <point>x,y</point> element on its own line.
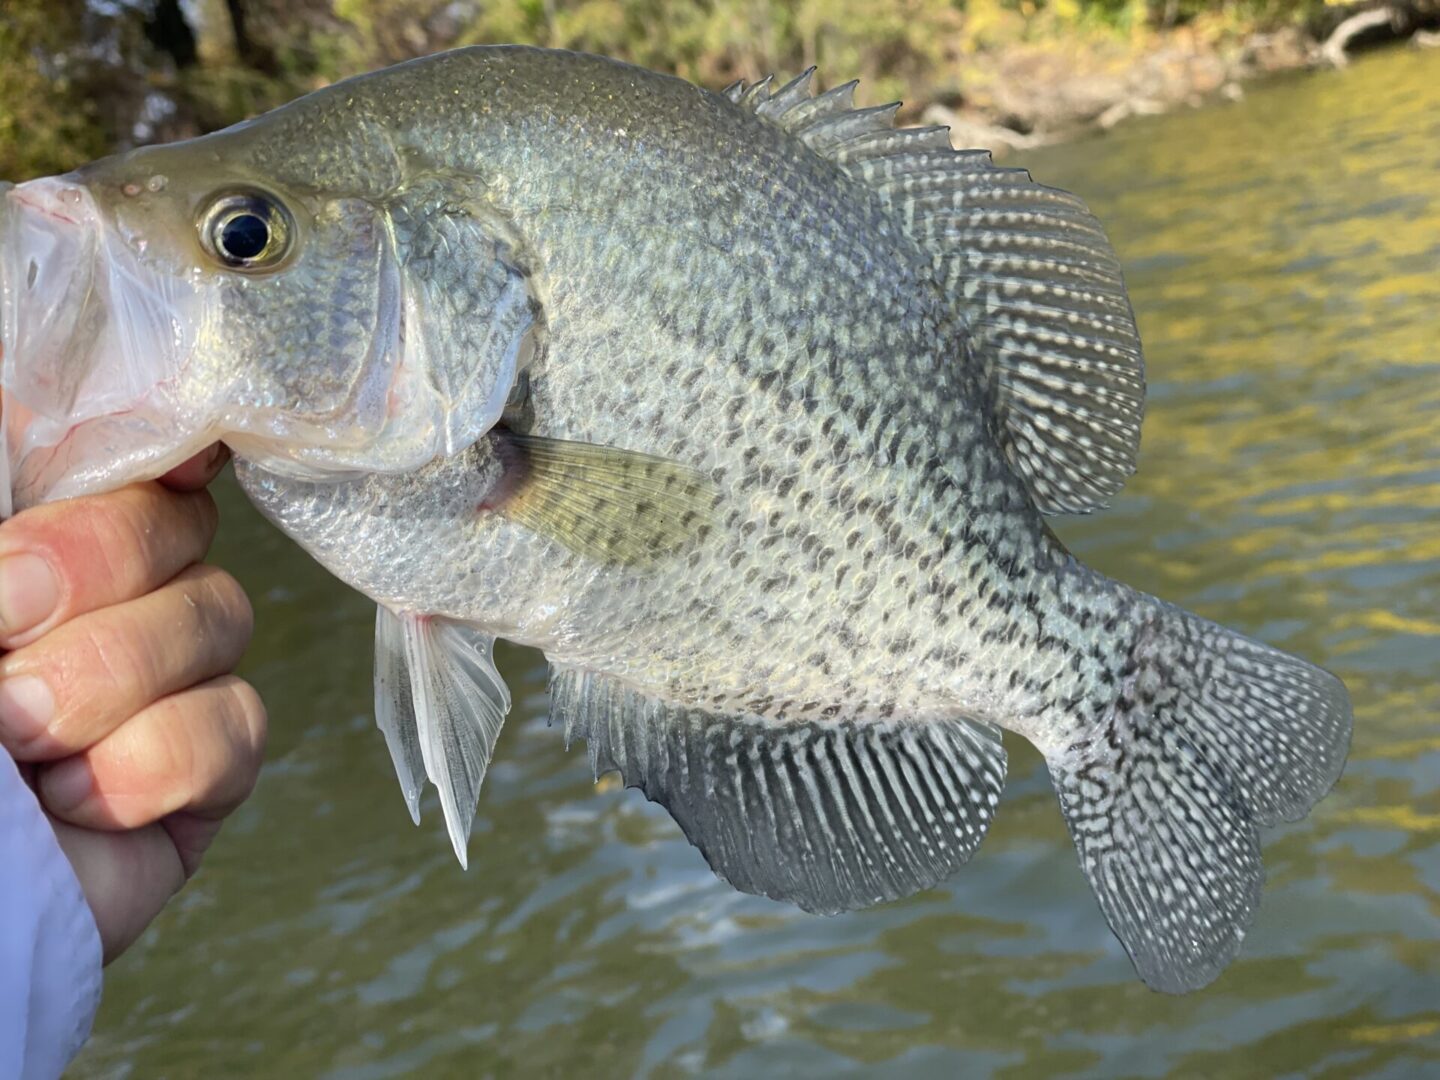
<point>246,230</point>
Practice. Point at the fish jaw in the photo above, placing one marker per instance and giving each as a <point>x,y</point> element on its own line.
<point>92,340</point>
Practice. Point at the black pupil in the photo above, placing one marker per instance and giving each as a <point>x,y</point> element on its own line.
<point>244,236</point>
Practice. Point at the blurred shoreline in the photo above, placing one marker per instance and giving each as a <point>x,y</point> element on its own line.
<point>1038,94</point>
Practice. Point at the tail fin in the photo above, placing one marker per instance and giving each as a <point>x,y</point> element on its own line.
<point>1204,736</point>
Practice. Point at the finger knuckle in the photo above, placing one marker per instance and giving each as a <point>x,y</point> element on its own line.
<point>170,764</point>
<point>122,532</point>
<point>220,601</point>
<point>249,719</point>
<point>203,517</point>
<point>110,656</point>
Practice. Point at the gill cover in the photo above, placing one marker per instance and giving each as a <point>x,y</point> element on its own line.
<point>472,320</point>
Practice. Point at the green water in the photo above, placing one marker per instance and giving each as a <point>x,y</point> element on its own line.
<point>1284,256</point>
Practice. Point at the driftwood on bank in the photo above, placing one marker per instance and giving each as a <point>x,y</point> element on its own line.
<point>1333,50</point>
<point>1370,24</point>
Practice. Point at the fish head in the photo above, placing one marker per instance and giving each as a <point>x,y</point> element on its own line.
<point>160,300</point>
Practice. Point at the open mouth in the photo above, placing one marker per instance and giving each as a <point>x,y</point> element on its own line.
<point>89,336</point>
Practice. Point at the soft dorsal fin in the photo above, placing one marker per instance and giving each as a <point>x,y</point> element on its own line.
<point>830,815</point>
<point>1030,269</point>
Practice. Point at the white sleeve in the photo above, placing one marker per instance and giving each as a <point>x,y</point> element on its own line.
<point>49,947</point>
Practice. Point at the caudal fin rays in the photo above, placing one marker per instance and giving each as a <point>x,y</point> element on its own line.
<point>1207,737</point>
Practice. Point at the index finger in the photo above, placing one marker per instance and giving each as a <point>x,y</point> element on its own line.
<point>63,559</point>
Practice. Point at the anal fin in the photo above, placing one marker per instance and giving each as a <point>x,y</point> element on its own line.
<point>440,703</point>
<point>831,816</point>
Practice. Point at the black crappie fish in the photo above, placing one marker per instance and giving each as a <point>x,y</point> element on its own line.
<point>746,408</point>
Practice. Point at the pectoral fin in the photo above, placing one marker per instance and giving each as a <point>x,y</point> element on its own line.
<point>612,505</point>
<point>831,816</point>
<point>440,703</point>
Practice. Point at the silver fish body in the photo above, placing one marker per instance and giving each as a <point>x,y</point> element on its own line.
<point>759,317</point>
<point>749,411</point>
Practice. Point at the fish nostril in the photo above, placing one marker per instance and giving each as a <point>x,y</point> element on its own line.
<point>31,274</point>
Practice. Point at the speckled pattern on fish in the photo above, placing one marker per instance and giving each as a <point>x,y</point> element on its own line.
<point>747,409</point>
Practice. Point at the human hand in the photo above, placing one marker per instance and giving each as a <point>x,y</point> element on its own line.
<point>116,698</point>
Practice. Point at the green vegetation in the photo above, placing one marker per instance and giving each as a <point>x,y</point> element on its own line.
<point>45,119</point>
<point>81,76</point>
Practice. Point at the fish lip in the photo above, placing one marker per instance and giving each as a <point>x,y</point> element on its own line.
<point>90,334</point>
<point>29,213</point>
<point>27,198</point>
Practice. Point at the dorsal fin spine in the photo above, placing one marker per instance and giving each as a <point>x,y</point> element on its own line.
<point>789,95</point>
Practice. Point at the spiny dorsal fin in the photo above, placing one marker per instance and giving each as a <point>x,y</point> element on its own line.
<point>612,505</point>
<point>830,815</point>
<point>1029,267</point>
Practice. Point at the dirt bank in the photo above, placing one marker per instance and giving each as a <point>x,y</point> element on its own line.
<point>1028,95</point>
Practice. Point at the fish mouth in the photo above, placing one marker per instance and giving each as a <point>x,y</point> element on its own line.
<point>89,338</point>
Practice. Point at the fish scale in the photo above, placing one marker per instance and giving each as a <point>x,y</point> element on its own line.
<point>746,409</point>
